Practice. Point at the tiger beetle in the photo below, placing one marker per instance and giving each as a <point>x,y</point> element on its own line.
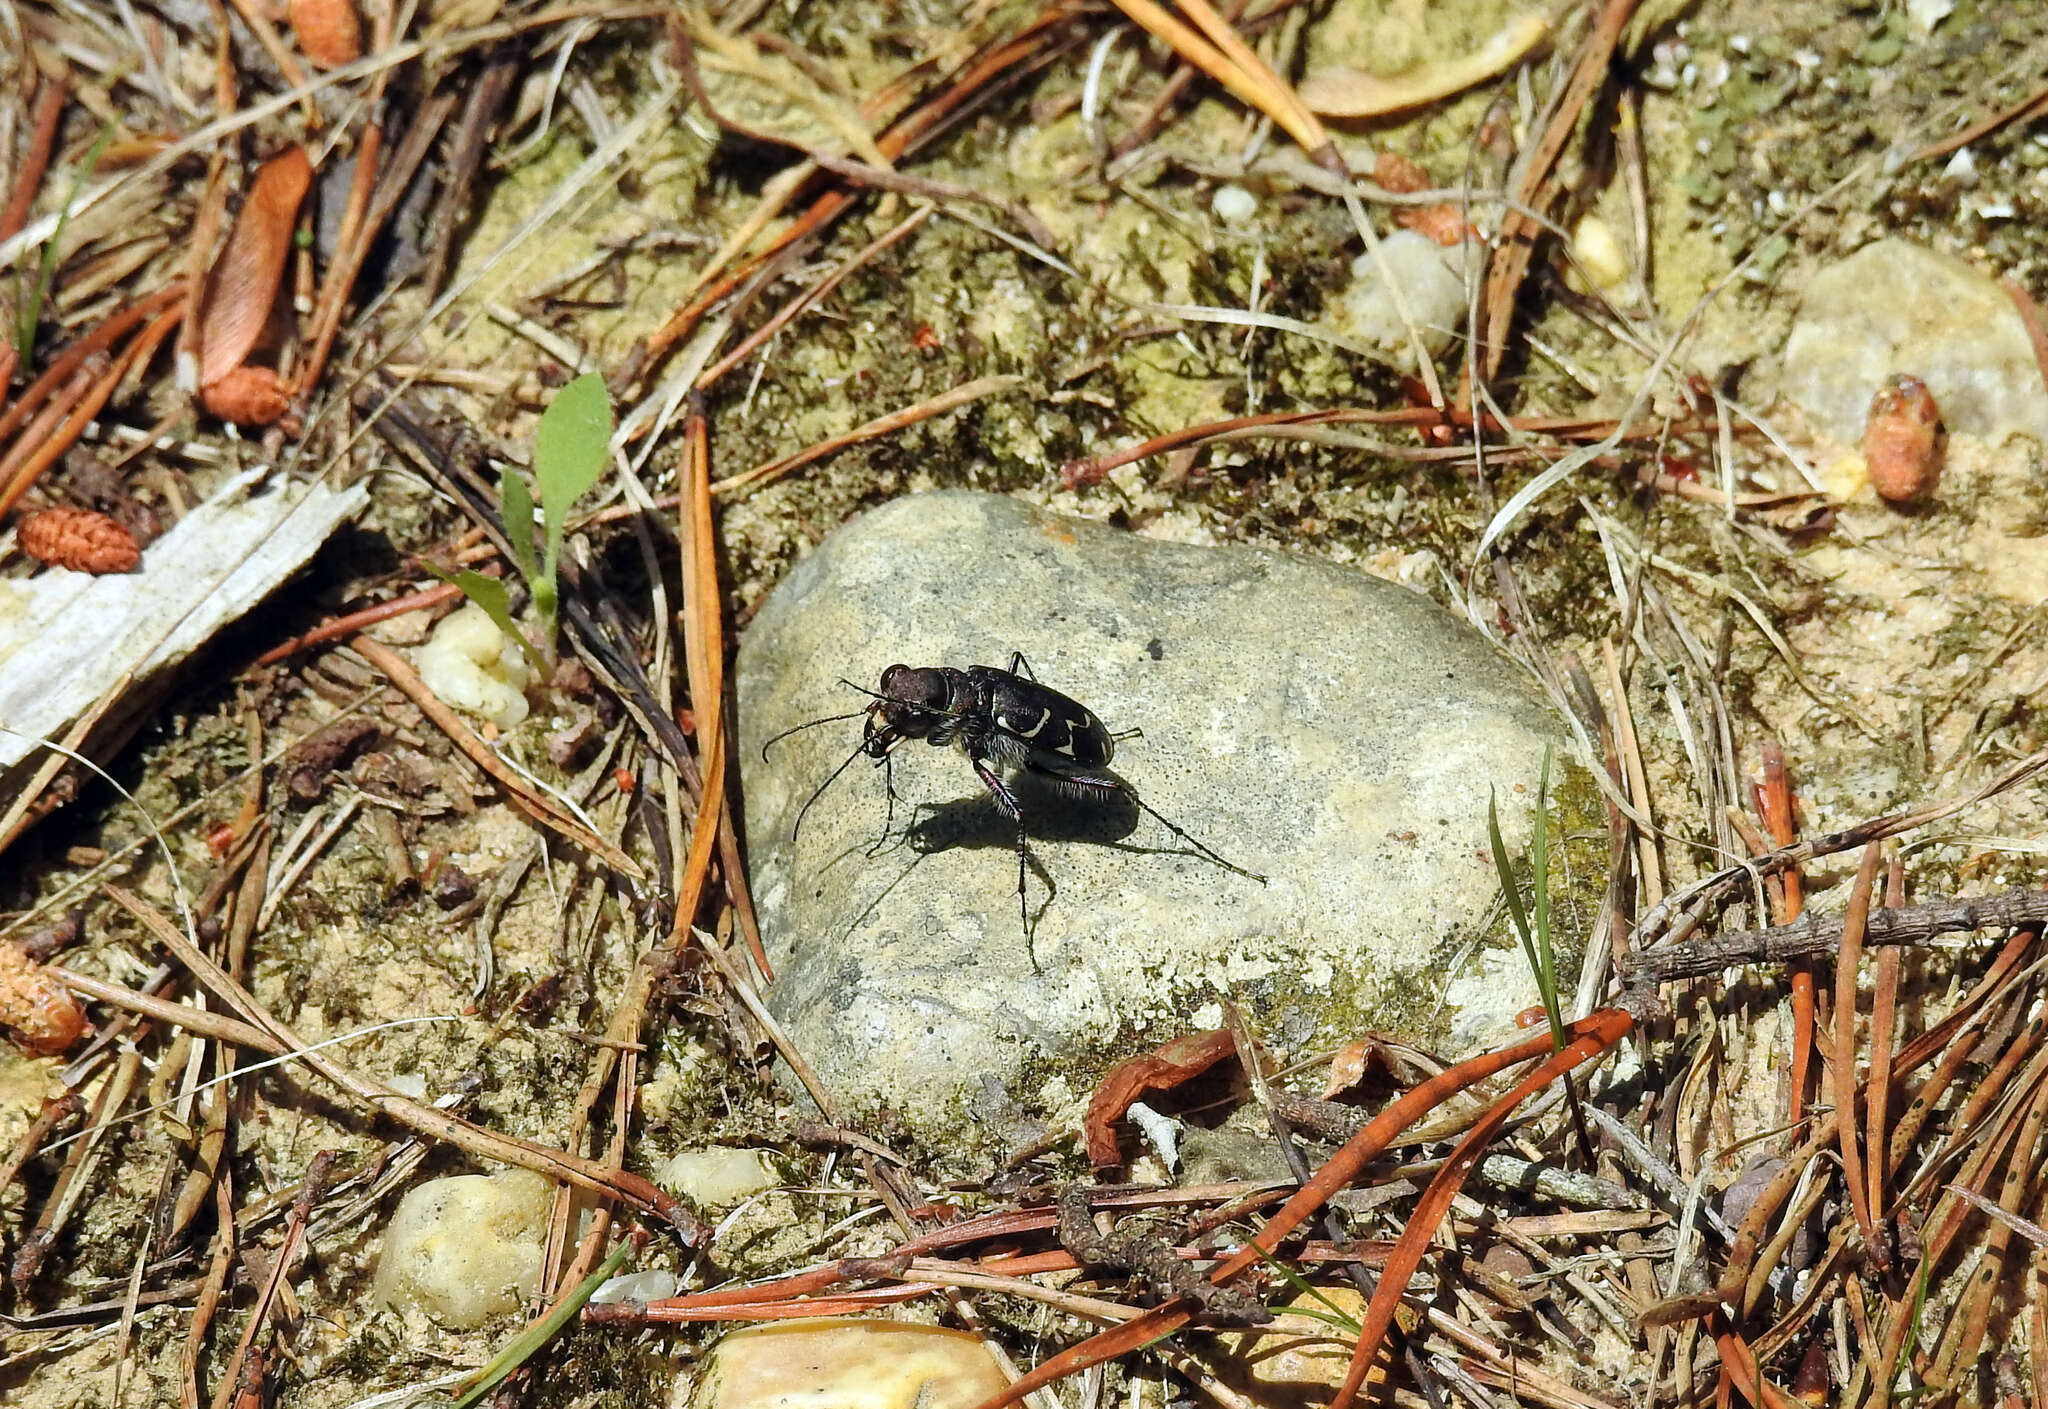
<point>1009,726</point>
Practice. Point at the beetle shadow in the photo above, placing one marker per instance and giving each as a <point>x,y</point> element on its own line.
<point>975,822</point>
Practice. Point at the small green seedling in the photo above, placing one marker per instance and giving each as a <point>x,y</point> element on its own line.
<point>570,448</point>
<point>1532,923</point>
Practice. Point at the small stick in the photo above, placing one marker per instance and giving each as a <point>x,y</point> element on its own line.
<point>1878,1089</point>
<point>1846,965</point>
<point>1816,934</point>
<point>356,621</point>
<point>545,809</point>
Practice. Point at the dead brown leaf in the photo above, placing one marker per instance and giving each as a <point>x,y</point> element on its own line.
<point>1181,1060</point>
<point>245,279</point>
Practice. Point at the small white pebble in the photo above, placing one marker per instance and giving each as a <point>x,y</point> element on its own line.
<point>1924,15</point>
<point>652,1285</point>
<point>1233,205</point>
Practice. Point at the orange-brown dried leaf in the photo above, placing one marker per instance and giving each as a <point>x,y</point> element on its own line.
<point>245,279</point>
<point>1903,440</point>
<point>328,31</point>
<point>1162,1069</point>
<point>1358,1061</point>
<point>38,1012</point>
<point>248,396</point>
<point>79,539</point>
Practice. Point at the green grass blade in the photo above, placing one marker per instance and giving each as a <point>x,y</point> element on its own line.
<point>1545,956</point>
<point>535,1338</point>
<point>1535,935</point>
<point>515,505</point>
<point>1510,888</point>
<point>31,311</point>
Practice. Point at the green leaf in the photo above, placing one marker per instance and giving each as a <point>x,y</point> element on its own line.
<point>515,505</point>
<point>570,449</point>
<point>490,594</point>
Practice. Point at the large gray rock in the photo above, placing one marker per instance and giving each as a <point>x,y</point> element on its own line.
<point>1330,730</point>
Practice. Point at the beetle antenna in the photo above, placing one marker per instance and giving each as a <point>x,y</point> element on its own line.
<point>807,724</point>
<point>796,825</point>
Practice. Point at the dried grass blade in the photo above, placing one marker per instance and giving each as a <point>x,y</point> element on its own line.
<point>1255,85</point>
<point>24,473</point>
<point>73,357</point>
<point>1334,1175</point>
<point>1778,816</point>
<point>1878,1087</point>
<point>938,405</point>
<point>704,663</point>
<point>426,1120</point>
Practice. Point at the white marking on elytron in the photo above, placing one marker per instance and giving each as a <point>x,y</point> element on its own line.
<point>1066,748</point>
<point>1033,732</point>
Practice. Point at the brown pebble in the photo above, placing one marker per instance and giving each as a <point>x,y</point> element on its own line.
<point>38,1012</point>
<point>455,887</point>
<point>1903,441</point>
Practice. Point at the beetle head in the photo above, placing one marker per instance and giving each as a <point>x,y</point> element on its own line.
<point>908,704</point>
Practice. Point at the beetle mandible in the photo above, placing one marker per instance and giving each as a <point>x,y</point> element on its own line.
<point>1008,725</point>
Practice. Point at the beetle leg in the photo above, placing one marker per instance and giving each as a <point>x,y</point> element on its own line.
<point>1086,783</point>
<point>1006,803</point>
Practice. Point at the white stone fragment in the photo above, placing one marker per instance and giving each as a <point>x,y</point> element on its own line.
<point>1432,282</point>
<point>1924,15</point>
<point>1161,1132</point>
<point>466,1248</point>
<point>716,1177</point>
<point>1597,252</point>
<point>1233,205</point>
<point>847,1363</point>
<point>652,1285</point>
<point>473,666</point>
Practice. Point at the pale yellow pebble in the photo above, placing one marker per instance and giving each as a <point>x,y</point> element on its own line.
<point>844,1362</point>
<point>1844,477</point>
<point>1597,253</point>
